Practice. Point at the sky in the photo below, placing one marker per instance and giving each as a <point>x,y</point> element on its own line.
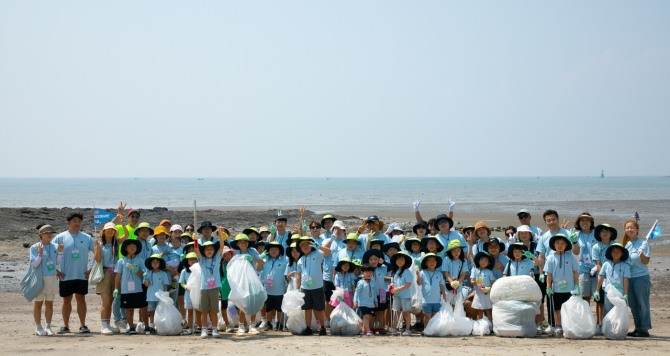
<point>334,88</point>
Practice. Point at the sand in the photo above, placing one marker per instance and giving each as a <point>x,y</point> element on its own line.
<point>16,313</point>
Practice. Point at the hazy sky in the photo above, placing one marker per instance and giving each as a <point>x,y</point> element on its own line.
<point>334,88</point>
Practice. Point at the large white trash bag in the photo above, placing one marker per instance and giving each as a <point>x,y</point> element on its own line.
<point>616,322</point>
<point>193,285</point>
<point>167,319</point>
<point>481,327</point>
<point>462,324</point>
<point>292,307</point>
<point>577,319</point>
<point>513,318</point>
<point>442,322</point>
<point>246,289</point>
<point>521,288</point>
<point>415,291</point>
<point>344,321</point>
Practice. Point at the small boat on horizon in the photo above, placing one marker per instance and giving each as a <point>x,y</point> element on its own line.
<point>602,173</point>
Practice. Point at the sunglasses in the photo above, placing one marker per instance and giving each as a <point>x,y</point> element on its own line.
<point>523,216</point>
<point>190,230</point>
<point>133,216</point>
<point>315,228</point>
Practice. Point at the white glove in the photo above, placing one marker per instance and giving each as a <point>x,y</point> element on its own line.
<point>643,248</point>
<point>455,284</point>
<point>416,205</point>
<point>594,270</point>
<point>452,205</point>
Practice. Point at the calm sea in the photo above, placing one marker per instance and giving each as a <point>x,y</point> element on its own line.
<point>343,194</point>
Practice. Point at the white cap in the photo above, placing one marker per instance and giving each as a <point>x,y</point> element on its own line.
<point>109,225</point>
<point>523,228</point>
<point>176,227</point>
<point>523,211</point>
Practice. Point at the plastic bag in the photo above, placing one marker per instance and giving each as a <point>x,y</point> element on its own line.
<point>344,321</point>
<point>97,274</point>
<point>462,324</point>
<point>442,322</point>
<point>193,285</point>
<point>32,284</point>
<point>246,289</point>
<point>521,288</point>
<point>577,319</point>
<point>513,318</point>
<point>415,290</point>
<point>167,318</point>
<point>233,316</point>
<point>291,306</point>
<point>481,327</point>
<point>616,322</point>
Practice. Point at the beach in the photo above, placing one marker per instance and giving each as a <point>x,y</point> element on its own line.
<point>16,314</point>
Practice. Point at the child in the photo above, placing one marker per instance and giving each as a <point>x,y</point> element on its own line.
<point>605,236</point>
<point>432,244</point>
<point>243,246</point>
<point>615,272</point>
<point>375,259</point>
<point>482,278</point>
<point>521,261</point>
<point>455,270</point>
<point>345,279</point>
<point>481,235</point>
<point>413,249</point>
<point>272,276</point>
<point>562,276</point>
<point>105,252</point>
<point>353,250</point>
<point>129,272</point>
<point>365,298</point>
<point>46,256</point>
<point>143,232</point>
<point>400,288</point>
<point>494,247</point>
<point>227,254</point>
<point>291,271</point>
<point>155,280</point>
<point>310,280</point>
<point>583,241</point>
<point>191,258</point>
<point>432,285</point>
<point>209,261</point>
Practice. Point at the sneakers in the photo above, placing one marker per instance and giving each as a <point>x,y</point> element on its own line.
<point>407,333</point>
<point>230,329</point>
<point>106,331</point>
<point>240,330</point>
<point>381,331</point>
<point>151,331</point>
<point>549,331</point>
<point>48,331</point>
<point>215,333</point>
<point>394,332</point>
<point>187,332</point>
<point>130,330</point>
<point>84,330</point>
<point>263,326</point>
<point>307,332</point>
<point>39,331</point>
<point>63,330</point>
<point>203,334</point>
<point>599,330</point>
<point>322,331</point>
<point>539,329</point>
<point>638,333</point>
<point>368,333</point>
<point>253,330</point>
<point>558,332</point>
<point>121,324</point>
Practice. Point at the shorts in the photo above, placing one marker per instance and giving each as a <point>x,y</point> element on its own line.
<point>429,308</point>
<point>48,293</point>
<point>382,306</point>
<point>133,300</point>
<point>75,286</point>
<point>187,301</point>
<point>151,306</point>
<point>559,299</point>
<point>273,303</point>
<point>587,284</point>
<point>106,285</point>
<point>402,304</point>
<point>366,311</point>
<point>328,288</point>
<point>224,304</point>
<point>602,294</point>
<point>209,300</point>
<point>314,299</point>
<point>181,290</point>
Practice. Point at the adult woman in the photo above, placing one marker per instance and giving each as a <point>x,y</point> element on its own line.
<point>639,283</point>
<point>105,251</point>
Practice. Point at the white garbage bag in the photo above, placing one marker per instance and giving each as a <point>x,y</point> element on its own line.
<point>167,319</point>
<point>291,306</point>
<point>442,322</point>
<point>513,318</point>
<point>246,289</point>
<point>481,327</point>
<point>462,324</point>
<point>616,322</point>
<point>193,285</point>
<point>344,321</point>
<point>233,316</point>
<point>415,290</point>
<point>577,319</point>
<point>521,288</point>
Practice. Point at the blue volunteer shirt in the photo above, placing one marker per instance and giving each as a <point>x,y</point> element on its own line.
<point>614,274</point>
<point>329,261</point>
<point>502,259</point>
<point>156,249</point>
<point>345,281</point>
<point>107,253</point>
<point>49,258</point>
<point>430,286</point>
<point>356,254</point>
<point>283,239</point>
<point>482,277</point>
<point>520,268</point>
<point>365,294</point>
<point>451,236</point>
<point>272,275</point>
<point>309,267</point>
<point>157,281</point>
<point>130,281</point>
<point>586,243</point>
<point>183,277</point>
<point>598,252</point>
<point>74,263</point>
<point>378,278</point>
<point>543,242</point>
<point>561,267</point>
<point>146,249</point>
<point>400,278</point>
<point>454,268</point>
<point>638,269</point>
<point>211,273</point>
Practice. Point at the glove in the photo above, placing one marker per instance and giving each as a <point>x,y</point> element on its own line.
<point>416,205</point>
<point>116,293</point>
<point>528,254</point>
<point>542,278</point>
<point>573,236</point>
<point>576,291</point>
<point>304,226</point>
<point>452,205</point>
<point>596,296</point>
<point>486,290</point>
<point>455,284</point>
<point>314,245</point>
<point>264,255</point>
<point>550,291</point>
<point>593,271</point>
<point>625,297</point>
<point>273,228</point>
<point>248,258</point>
<point>146,276</point>
<point>643,247</point>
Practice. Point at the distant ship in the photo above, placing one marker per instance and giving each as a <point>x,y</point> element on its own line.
<point>602,173</point>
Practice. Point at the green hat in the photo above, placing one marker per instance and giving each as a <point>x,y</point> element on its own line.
<point>208,243</point>
<point>144,225</point>
<point>157,256</point>
<point>327,217</point>
<point>408,259</point>
<point>294,237</point>
<point>186,234</point>
<point>307,239</point>
<point>191,255</point>
<point>454,244</point>
<point>602,227</point>
<point>346,260</point>
<point>357,263</point>
<point>241,237</point>
<point>275,244</point>
<point>437,258</point>
<point>424,243</point>
<point>248,231</point>
<point>624,252</point>
<point>352,236</point>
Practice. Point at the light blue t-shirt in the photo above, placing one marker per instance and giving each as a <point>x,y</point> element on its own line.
<point>400,278</point>
<point>210,272</point>
<point>521,268</point>
<point>146,249</point>
<point>49,260</point>
<point>586,243</point>
<point>367,237</point>
<point>365,294</point>
<point>174,254</point>
<point>479,246</point>
<point>107,255</point>
<point>430,286</point>
<point>345,281</point>
<point>356,254</point>
<point>543,243</point>
<point>155,249</point>
<point>251,252</point>
<point>202,240</point>
<point>416,258</point>
<point>309,267</point>
<point>157,281</point>
<point>454,268</point>
<point>329,261</point>
<point>283,239</point>
<point>183,277</point>
<point>614,274</point>
<point>74,262</point>
<point>598,252</point>
<point>451,236</point>
<point>483,277</point>
<point>272,275</point>
<point>130,281</point>
<point>638,269</point>
<point>378,278</point>
<point>561,268</point>
<point>502,259</point>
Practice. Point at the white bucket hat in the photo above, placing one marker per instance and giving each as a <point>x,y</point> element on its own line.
<point>338,224</point>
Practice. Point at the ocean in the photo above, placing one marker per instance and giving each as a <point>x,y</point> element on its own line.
<point>614,195</point>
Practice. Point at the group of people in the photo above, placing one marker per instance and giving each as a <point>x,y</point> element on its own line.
<point>378,270</point>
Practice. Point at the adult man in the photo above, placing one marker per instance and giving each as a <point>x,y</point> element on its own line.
<point>524,219</point>
<point>73,273</point>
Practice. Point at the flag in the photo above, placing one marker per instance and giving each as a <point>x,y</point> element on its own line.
<point>654,232</point>
<point>100,216</point>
